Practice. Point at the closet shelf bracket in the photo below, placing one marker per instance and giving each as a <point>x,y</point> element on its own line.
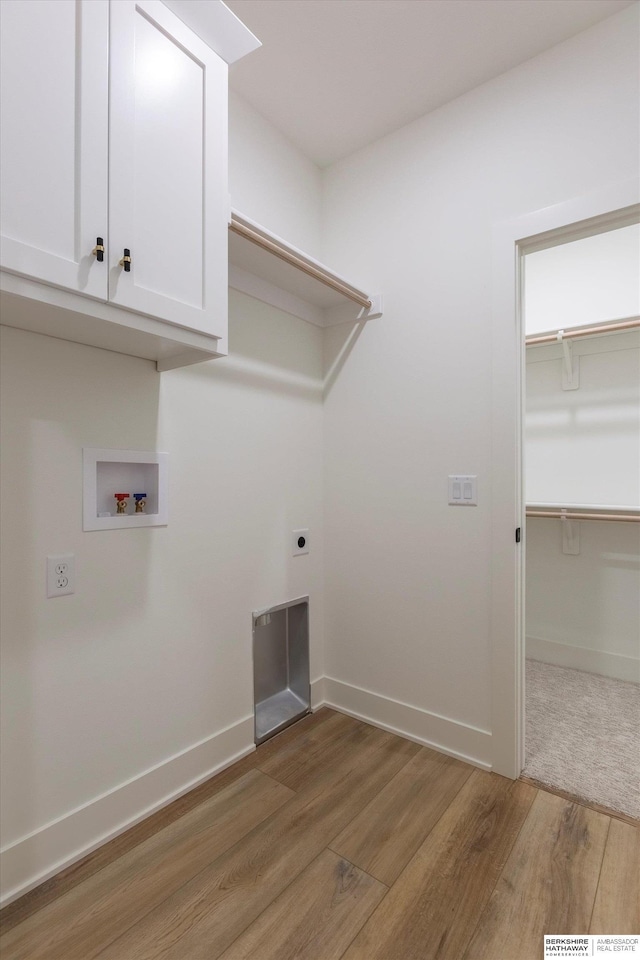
<point>570,535</point>
<point>570,364</point>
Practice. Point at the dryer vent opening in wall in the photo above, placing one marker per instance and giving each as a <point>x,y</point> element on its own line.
<point>280,666</point>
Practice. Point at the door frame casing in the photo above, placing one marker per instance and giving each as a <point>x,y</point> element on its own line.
<point>583,216</point>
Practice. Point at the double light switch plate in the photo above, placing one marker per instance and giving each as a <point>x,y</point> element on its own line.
<point>463,490</point>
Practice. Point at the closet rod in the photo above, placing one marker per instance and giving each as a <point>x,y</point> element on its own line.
<point>585,515</point>
<point>584,331</point>
<point>279,251</point>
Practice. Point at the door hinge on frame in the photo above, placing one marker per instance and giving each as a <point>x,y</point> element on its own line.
<point>517,534</point>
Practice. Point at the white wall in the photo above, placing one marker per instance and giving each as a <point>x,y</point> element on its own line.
<point>149,663</point>
<point>588,281</point>
<point>270,181</point>
<point>407,577</point>
<point>582,611</point>
<point>583,446</point>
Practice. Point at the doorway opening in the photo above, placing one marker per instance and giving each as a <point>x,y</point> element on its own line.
<point>613,207</point>
<point>580,309</point>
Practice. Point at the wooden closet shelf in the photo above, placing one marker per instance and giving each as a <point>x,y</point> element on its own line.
<point>269,268</point>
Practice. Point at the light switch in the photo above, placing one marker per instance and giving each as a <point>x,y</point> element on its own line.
<point>463,490</point>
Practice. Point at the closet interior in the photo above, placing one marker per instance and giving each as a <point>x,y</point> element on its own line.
<point>582,489</point>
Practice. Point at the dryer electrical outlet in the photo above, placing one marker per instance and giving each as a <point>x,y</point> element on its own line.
<point>300,542</point>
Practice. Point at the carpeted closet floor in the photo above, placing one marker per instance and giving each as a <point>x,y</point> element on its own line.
<point>583,735</point>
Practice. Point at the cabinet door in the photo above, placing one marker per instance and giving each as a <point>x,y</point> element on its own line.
<point>168,198</point>
<point>54,112</point>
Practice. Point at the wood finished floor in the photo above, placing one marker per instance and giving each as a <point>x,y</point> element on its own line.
<point>338,840</point>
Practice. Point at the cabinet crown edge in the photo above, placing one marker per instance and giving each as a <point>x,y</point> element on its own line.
<point>217,26</point>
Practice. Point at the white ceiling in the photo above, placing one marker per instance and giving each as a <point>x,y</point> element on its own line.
<point>334,75</point>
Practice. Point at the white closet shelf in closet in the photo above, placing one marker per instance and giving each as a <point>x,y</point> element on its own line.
<point>596,507</point>
<point>266,267</point>
<point>605,328</point>
<point>581,511</point>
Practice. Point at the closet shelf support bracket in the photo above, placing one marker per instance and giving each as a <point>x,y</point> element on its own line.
<point>570,535</point>
<point>570,364</point>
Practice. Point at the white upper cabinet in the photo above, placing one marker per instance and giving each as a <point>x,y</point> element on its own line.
<point>54,108</point>
<point>114,126</point>
<point>168,201</point>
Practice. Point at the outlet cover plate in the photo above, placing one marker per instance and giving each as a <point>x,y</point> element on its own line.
<point>300,542</point>
<point>61,575</point>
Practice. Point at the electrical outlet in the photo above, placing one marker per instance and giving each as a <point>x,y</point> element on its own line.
<point>61,575</point>
<point>300,542</point>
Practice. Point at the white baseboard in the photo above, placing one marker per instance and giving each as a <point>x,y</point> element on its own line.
<point>579,658</point>
<point>317,694</point>
<point>31,860</point>
<point>446,736</point>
